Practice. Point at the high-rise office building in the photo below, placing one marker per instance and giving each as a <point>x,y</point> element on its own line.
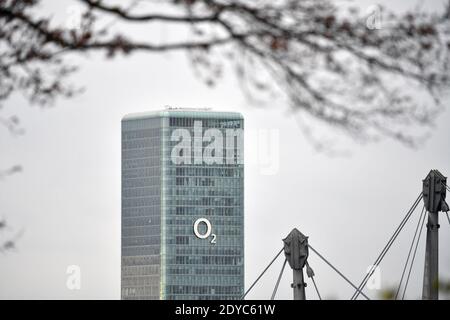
<point>182,205</point>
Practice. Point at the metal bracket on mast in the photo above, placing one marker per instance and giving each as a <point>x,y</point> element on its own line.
<point>434,192</point>
<point>296,252</point>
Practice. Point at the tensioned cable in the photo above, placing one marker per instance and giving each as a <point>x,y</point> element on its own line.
<point>315,286</point>
<point>386,248</point>
<point>264,271</point>
<point>314,282</point>
<point>335,269</point>
<point>442,176</point>
<point>409,253</point>
<point>448,188</point>
<point>278,281</point>
<point>414,256</point>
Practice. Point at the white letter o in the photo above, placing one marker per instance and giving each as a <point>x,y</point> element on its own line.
<point>208,228</point>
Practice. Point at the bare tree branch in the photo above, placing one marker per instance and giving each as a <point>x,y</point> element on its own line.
<point>124,14</point>
<point>325,63</point>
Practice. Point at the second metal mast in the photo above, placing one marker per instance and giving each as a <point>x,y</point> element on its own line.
<point>434,191</point>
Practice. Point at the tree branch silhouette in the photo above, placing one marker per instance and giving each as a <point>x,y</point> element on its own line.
<point>322,61</point>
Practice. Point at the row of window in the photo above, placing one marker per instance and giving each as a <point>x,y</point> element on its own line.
<point>141,260</point>
<point>181,224</point>
<point>183,240</point>
<point>221,271</point>
<point>134,292</point>
<point>187,220</point>
<point>152,210</point>
<point>140,153</point>
<point>141,221</point>
<point>205,182</point>
<point>139,163</point>
<point>231,159</point>
<point>140,231</point>
<point>141,251</point>
<point>208,202</point>
<point>140,124</point>
<point>192,182</point>
<point>209,250</point>
<point>145,133</point>
<point>147,280</point>
<point>206,123</point>
<point>155,144</point>
<point>140,271</point>
<point>205,260</point>
<point>140,241</point>
<point>141,202</point>
<point>154,270</point>
<point>171,186</point>
<point>223,197</point>
<point>230,163</point>
<point>219,211</point>
<point>141,172</point>
<point>141,192</point>
<point>234,190</point>
<point>186,230</point>
<point>220,241</point>
<point>216,201</point>
<point>203,280</point>
<point>134,236</point>
<point>137,182</point>
<point>218,222</point>
<point>210,172</point>
<point>210,290</point>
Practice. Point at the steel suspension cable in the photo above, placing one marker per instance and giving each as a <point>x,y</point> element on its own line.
<point>409,252</point>
<point>386,248</point>
<point>336,270</point>
<point>446,186</point>
<point>315,286</point>
<point>278,281</point>
<point>311,275</point>
<point>414,255</point>
<point>262,273</point>
<point>448,189</point>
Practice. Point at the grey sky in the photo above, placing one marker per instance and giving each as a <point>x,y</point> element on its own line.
<point>68,197</point>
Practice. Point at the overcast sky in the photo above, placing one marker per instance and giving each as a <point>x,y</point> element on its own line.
<point>67,199</point>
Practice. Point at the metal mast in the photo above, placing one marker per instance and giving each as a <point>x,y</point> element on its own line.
<point>296,252</point>
<point>434,191</point>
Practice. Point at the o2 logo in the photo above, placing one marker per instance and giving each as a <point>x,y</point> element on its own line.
<point>207,233</point>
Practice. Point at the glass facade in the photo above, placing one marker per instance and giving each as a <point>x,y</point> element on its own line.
<point>182,205</point>
<point>141,209</point>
